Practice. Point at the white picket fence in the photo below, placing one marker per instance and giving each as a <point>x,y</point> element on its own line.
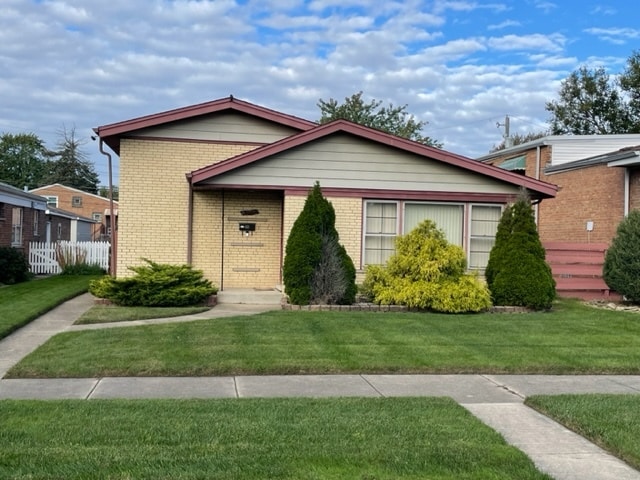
<point>45,258</point>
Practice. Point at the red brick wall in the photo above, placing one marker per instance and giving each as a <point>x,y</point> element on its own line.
<point>588,194</point>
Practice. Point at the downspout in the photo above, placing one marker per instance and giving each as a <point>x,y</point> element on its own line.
<point>222,247</point>
<point>537,207</point>
<point>626,191</point>
<point>112,214</point>
<point>190,222</point>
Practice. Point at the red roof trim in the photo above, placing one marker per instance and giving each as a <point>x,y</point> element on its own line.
<point>205,173</point>
<point>373,194</point>
<point>111,133</point>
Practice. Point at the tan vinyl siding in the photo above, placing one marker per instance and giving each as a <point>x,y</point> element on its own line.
<point>343,161</point>
<point>221,127</point>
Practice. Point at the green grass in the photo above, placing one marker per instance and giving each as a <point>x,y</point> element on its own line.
<point>363,439</point>
<point>112,313</point>
<point>24,302</point>
<point>611,421</point>
<point>573,339</point>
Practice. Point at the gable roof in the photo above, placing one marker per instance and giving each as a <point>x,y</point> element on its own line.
<point>73,190</point>
<point>112,133</point>
<point>543,189</point>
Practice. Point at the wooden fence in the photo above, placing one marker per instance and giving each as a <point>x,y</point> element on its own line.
<point>49,258</point>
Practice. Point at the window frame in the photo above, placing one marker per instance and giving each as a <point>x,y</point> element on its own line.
<point>16,228</point>
<point>76,201</point>
<point>366,235</point>
<point>52,201</point>
<point>36,223</point>
<point>471,237</point>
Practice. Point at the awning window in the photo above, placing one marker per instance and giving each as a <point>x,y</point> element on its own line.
<point>517,163</point>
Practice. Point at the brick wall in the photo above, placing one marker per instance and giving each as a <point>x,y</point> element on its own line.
<point>348,222</point>
<point>28,232</point>
<point>593,194</point>
<point>253,259</point>
<point>154,195</point>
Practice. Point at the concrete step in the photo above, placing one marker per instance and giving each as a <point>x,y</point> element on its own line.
<point>250,296</point>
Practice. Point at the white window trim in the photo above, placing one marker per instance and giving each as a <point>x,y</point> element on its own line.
<point>16,228</point>
<point>50,200</point>
<point>468,233</point>
<point>363,221</point>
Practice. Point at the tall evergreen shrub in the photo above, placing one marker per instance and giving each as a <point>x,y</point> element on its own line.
<point>517,272</point>
<point>306,270</point>
<point>621,269</point>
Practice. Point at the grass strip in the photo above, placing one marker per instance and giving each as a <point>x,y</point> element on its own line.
<point>608,420</point>
<point>572,339</point>
<point>112,313</point>
<point>24,302</point>
<point>372,439</point>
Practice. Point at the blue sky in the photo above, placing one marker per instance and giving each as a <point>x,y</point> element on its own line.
<point>459,65</point>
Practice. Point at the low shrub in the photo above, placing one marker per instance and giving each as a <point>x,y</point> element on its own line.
<point>83,269</point>
<point>14,266</point>
<point>155,285</point>
<point>428,273</point>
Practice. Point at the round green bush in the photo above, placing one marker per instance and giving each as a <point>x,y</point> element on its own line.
<point>621,270</point>
<point>14,266</point>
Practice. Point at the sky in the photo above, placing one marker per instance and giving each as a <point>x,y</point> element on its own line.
<point>459,65</point>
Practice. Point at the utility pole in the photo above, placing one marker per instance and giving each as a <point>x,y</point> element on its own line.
<point>508,141</point>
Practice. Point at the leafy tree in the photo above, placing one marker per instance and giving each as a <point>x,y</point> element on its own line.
<point>71,166</point>
<point>23,160</point>
<point>316,267</point>
<point>621,269</point>
<point>517,273</point>
<point>630,84</point>
<point>519,139</point>
<point>390,119</point>
<point>589,104</point>
<point>427,272</point>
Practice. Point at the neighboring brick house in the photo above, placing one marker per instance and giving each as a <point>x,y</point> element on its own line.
<point>83,204</point>
<point>598,179</point>
<point>595,190</point>
<point>22,218</point>
<point>219,185</point>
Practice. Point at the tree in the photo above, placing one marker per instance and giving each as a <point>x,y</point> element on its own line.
<point>630,84</point>
<point>71,166</point>
<point>23,160</point>
<point>517,273</point>
<point>309,274</point>
<point>590,103</point>
<point>621,269</point>
<point>390,119</point>
<point>518,139</point>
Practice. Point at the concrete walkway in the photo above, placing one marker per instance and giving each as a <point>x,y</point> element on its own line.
<point>497,400</point>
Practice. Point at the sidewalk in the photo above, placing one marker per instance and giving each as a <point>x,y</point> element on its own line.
<point>497,400</point>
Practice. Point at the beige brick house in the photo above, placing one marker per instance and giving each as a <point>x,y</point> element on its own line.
<point>219,185</point>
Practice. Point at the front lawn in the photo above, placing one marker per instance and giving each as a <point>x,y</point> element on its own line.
<point>610,421</point>
<point>112,313</point>
<point>572,339</point>
<point>24,302</point>
<point>364,439</point>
